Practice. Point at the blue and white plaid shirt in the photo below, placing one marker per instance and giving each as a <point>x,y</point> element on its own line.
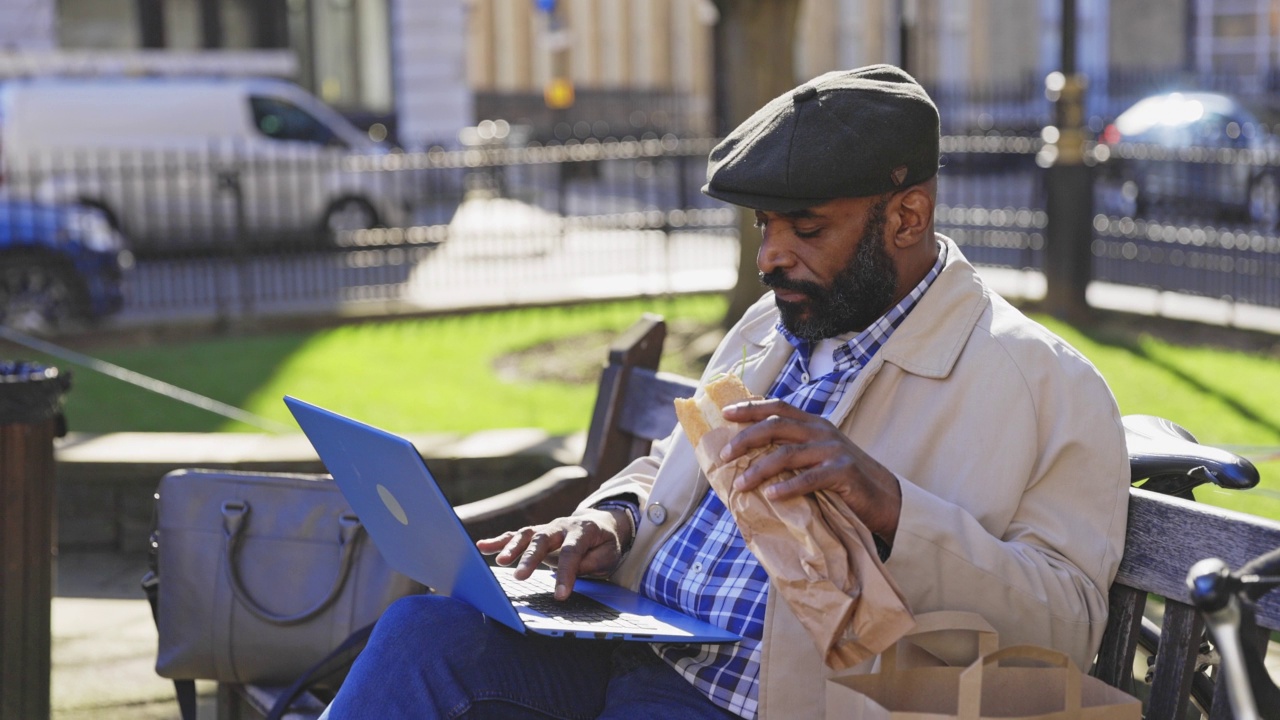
<point>706,569</point>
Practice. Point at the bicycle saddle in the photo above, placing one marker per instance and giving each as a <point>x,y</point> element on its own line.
<point>1174,461</point>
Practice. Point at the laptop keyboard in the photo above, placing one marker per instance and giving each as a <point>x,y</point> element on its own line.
<point>538,593</point>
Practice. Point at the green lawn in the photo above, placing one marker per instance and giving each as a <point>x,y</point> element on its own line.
<point>439,374</point>
<point>1223,397</point>
<point>419,375</point>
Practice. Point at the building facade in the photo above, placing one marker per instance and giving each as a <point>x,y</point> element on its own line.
<point>427,68</point>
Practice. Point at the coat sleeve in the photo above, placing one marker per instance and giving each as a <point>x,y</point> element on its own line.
<point>1027,525</point>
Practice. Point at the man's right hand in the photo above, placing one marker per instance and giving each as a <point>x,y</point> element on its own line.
<point>586,544</point>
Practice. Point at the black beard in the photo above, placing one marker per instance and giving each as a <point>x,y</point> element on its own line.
<point>858,295</point>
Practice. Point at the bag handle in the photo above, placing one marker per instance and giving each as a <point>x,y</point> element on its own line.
<point>939,621</point>
<point>970,700</point>
<point>233,515</point>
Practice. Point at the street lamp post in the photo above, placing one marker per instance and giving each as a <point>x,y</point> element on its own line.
<point>1069,183</point>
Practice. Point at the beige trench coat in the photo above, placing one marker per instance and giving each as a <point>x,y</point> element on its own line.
<point>1011,457</point>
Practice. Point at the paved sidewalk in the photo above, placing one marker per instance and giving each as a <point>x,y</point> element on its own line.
<point>1019,285</point>
<point>104,644</point>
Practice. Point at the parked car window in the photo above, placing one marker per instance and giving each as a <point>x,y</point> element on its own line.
<point>282,120</point>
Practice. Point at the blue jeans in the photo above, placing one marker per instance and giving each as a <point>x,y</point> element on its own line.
<point>436,657</point>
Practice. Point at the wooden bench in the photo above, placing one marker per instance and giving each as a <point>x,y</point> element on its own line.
<point>1165,536</point>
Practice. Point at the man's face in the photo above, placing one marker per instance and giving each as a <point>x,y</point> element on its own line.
<point>828,266</point>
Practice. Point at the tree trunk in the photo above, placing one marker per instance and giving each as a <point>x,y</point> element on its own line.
<point>755,62</point>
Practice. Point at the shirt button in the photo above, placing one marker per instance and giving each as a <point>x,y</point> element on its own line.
<point>696,568</point>
<point>657,514</point>
<point>804,377</point>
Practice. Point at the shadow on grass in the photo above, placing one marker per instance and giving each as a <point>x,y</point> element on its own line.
<point>1131,342</point>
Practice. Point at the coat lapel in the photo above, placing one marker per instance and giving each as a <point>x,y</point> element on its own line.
<point>923,345</point>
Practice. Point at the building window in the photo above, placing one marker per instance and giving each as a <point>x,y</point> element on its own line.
<point>98,24</point>
<point>344,52</point>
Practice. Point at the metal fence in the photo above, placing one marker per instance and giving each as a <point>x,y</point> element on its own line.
<point>225,233</point>
<point>222,233</point>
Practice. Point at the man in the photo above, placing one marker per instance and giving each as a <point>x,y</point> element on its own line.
<point>984,454</point>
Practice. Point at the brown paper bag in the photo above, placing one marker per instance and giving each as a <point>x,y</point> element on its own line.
<point>823,561</point>
<point>946,639</point>
<point>982,691</point>
<point>942,638</point>
<point>818,554</point>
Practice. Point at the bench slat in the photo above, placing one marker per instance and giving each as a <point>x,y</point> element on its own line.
<point>1220,710</point>
<point>609,448</point>
<point>1115,659</point>
<point>648,410</point>
<point>1168,535</point>
<point>1179,643</point>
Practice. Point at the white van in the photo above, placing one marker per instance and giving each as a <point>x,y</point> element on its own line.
<point>177,162</point>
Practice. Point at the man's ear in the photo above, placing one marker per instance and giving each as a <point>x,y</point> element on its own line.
<point>915,216</point>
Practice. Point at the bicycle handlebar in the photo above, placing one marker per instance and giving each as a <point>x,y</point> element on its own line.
<point>1260,575</point>
<point>1216,592</point>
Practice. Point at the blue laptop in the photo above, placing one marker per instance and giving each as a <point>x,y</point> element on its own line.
<point>399,503</point>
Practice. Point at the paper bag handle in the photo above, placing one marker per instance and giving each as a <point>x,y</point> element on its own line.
<point>943,621</point>
<point>970,700</point>
<point>233,514</point>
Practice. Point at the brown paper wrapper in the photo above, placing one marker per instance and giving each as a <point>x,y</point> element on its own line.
<point>819,556</point>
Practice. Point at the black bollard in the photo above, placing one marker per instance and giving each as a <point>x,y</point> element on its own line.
<point>30,418</point>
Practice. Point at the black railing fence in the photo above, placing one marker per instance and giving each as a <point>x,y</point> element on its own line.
<point>227,233</point>
<point>231,233</point>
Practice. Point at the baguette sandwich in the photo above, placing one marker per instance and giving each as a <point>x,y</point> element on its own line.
<point>701,414</point>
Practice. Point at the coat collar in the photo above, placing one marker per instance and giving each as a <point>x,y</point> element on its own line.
<point>930,340</point>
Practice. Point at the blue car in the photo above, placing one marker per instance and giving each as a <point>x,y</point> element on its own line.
<point>61,266</point>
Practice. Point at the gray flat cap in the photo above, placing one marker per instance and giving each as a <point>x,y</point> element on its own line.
<point>851,133</point>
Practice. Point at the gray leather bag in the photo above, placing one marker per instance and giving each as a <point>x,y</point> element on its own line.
<point>260,575</point>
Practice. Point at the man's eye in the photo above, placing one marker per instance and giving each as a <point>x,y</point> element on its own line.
<point>806,234</point>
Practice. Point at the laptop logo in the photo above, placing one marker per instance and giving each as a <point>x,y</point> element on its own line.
<point>393,505</point>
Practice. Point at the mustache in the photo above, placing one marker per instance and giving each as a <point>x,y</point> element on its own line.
<point>778,281</point>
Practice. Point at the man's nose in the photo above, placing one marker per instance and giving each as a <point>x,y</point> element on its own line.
<point>774,252</point>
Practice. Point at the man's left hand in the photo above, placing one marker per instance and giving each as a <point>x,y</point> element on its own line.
<point>823,457</point>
